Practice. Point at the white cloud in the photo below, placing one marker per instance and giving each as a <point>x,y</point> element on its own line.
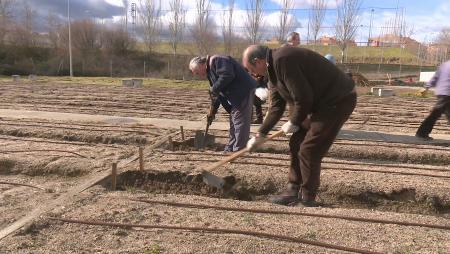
<point>118,3</point>
<point>425,27</point>
<point>305,3</point>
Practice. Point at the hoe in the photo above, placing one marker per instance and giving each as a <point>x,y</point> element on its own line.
<point>218,182</point>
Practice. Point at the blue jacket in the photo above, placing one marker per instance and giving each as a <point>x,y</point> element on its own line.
<point>229,81</point>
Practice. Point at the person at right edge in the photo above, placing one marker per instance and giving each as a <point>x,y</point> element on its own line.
<point>311,86</point>
<point>441,82</point>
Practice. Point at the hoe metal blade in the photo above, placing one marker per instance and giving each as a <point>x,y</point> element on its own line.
<point>213,180</point>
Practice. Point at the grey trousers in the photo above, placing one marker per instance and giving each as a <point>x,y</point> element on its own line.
<point>240,121</point>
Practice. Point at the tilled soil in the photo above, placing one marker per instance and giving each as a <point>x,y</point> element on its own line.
<point>103,206</point>
<point>389,113</point>
<point>374,179</point>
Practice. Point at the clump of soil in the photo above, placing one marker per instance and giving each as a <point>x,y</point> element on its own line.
<point>190,184</point>
<point>64,166</point>
<point>404,200</point>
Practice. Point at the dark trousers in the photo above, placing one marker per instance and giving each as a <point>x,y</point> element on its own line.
<point>257,102</point>
<point>240,121</point>
<point>442,106</point>
<point>309,146</point>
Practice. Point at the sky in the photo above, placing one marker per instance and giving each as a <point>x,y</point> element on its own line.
<point>424,18</point>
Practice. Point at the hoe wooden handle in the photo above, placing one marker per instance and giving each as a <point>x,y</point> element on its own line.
<point>240,153</point>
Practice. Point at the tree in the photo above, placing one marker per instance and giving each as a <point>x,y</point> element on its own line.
<point>347,23</point>
<point>117,41</point>
<point>86,37</point>
<point>5,18</point>
<point>177,23</point>
<point>149,13</point>
<point>316,17</point>
<point>443,40</point>
<point>227,28</point>
<point>54,26</point>
<point>254,22</point>
<point>444,37</point>
<point>202,32</point>
<point>285,23</point>
<point>24,33</point>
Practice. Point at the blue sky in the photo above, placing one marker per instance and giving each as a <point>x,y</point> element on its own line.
<point>424,18</point>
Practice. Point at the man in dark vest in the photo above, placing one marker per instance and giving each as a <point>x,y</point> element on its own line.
<point>311,86</point>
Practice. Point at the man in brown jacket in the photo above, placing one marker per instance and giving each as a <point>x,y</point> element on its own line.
<point>311,86</point>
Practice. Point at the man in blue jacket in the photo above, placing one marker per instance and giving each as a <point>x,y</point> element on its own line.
<point>441,82</point>
<point>231,86</point>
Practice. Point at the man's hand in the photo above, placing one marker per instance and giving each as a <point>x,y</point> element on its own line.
<point>255,142</point>
<point>289,128</point>
<point>210,118</point>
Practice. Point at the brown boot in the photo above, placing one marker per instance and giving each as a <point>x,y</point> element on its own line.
<point>288,197</point>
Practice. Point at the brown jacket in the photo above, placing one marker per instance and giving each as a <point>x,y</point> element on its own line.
<point>306,81</point>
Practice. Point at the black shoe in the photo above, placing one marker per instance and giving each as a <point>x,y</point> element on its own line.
<point>309,203</point>
<point>288,197</point>
<point>424,137</point>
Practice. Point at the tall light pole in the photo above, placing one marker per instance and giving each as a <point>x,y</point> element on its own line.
<point>70,39</point>
<point>370,26</point>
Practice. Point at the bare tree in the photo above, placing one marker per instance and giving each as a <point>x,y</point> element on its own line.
<point>150,13</point>
<point>5,18</point>
<point>177,23</point>
<point>227,28</point>
<point>318,9</point>
<point>86,37</point>
<point>444,36</point>
<point>25,34</point>
<point>347,23</point>
<point>254,22</point>
<point>443,39</point>
<point>285,23</point>
<point>202,30</point>
<point>117,41</point>
<point>53,26</point>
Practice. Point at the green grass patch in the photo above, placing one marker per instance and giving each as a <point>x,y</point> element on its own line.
<point>417,95</point>
<point>359,54</point>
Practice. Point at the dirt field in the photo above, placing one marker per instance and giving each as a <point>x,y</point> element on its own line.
<point>382,191</point>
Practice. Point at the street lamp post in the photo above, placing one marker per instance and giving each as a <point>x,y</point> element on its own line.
<point>370,27</point>
<point>70,40</point>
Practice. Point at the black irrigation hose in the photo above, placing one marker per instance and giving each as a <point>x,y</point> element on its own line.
<point>44,150</point>
<point>323,168</point>
<point>263,211</point>
<point>21,121</point>
<point>22,184</point>
<point>218,230</point>
<point>341,141</point>
<point>78,129</point>
<point>329,162</point>
<point>57,142</point>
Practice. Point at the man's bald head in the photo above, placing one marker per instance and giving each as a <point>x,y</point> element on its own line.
<point>253,52</point>
<point>254,59</point>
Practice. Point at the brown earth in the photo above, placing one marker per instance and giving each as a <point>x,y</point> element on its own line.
<point>364,178</point>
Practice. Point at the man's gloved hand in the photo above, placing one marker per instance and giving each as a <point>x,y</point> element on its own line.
<point>289,128</point>
<point>255,142</point>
